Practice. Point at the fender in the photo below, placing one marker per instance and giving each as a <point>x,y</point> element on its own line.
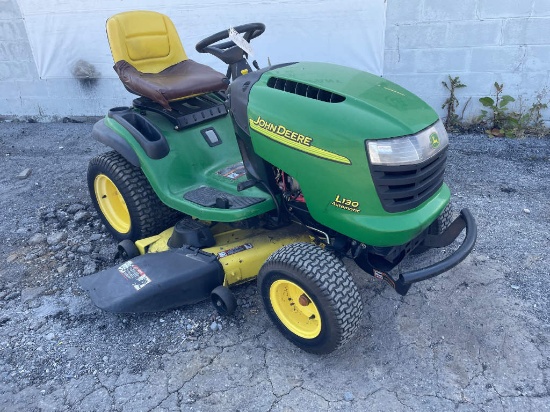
<point>109,137</point>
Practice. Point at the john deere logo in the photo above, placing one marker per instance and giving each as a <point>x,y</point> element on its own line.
<point>434,140</point>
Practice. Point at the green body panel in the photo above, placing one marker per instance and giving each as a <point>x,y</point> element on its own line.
<point>320,144</point>
<point>324,147</point>
<point>192,163</point>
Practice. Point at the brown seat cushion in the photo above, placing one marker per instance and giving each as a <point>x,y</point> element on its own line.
<point>186,78</point>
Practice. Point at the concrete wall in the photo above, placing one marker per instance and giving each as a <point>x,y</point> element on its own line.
<point>482,41</point>
<point>68,36</point>
<point>23,93</point>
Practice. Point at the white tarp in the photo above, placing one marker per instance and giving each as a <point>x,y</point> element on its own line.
<point>347,32</point>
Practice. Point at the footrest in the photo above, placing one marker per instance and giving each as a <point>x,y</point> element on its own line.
<point>210,197</point>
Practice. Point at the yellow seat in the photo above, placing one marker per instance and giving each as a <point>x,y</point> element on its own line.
<point>151,61</point>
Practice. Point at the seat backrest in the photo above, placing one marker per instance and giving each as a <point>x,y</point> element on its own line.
<point>146,39</point>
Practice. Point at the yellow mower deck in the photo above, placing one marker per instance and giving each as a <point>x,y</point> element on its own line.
<point>241,252</point>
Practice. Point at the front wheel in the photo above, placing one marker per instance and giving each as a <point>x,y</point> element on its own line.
<point>310,296</point>
<point>439,226</point>
<point>124,199</point>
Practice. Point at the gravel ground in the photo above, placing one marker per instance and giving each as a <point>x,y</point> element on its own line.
<point>474,339</point>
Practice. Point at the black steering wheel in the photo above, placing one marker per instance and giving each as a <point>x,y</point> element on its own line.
<point>228,51</point>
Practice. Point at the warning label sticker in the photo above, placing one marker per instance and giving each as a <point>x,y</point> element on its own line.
<point>234,250</point>
<point>133,273</point>
<point>233,172</point>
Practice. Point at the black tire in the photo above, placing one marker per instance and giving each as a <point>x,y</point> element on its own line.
<point>443,221</point>
<point>223,300</point>
<point>128,249</point>
<point>437,227</point>
<point>139,213</point>
<point>325,283</point>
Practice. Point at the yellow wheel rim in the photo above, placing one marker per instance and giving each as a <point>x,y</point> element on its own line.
<point>295,309</point>
<point>112,204</point>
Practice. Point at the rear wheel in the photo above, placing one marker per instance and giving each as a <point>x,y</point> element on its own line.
<point>124,199</point>
<point>310,296</point>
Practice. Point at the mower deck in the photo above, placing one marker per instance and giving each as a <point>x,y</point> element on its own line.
<point>165,278</point>
<point>241,252</point>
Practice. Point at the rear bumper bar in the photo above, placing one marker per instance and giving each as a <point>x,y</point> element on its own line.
<point>464,221</point>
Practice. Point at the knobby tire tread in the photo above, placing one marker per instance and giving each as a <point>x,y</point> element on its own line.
<point>331,276</point>
<point>149,216</point>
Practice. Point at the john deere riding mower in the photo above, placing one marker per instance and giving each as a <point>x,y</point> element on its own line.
<point>275,173</point>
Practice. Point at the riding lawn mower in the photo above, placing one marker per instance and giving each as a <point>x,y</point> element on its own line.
<point>274,174</point>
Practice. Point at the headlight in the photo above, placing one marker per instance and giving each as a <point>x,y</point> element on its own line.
<point>409,149</point>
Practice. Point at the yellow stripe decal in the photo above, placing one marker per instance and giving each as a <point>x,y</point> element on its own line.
<point>312,150</point>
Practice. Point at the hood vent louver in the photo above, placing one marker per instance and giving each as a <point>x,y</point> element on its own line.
<point>305,90</point>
